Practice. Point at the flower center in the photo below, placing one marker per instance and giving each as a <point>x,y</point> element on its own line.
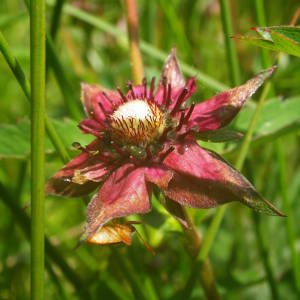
<point>137,122</point>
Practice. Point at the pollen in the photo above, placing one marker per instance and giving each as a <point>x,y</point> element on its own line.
<point>137,122</point>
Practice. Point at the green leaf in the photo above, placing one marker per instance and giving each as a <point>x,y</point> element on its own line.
<point>278,117</point>
<point>278,38</point>
<point>15,138</point>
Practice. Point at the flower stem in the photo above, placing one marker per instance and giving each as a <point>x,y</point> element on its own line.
<point>206,275</point>
<point>133,37</point>
<point>37,72</point>
<point>232,58</point>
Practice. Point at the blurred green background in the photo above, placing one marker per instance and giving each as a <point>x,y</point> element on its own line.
<point>250,250</point>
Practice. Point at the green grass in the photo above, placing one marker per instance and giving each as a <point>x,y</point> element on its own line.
<point>253,257</point>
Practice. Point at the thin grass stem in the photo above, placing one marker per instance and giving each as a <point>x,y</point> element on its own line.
<point>56,15</point>
<point>231,53</point>
<point>37,73</point>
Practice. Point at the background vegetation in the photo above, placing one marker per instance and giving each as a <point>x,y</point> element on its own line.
<point>253,256</point>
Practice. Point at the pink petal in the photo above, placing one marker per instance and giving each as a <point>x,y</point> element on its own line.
<point>171,71</point>
<point>98,102</point>
<point>124,193</point>
<point>138,92</point>
<point>204,179</point>
<point>91,126</point>
<point>172,74</point>
<point>81,175</point>
<point>219,110</point>
<point>158,175</point>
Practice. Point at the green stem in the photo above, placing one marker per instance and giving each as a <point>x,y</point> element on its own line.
<point>63,81</point>
<point>261,21</point>
<point>145,47</point>
<point>133,38</point>
<point>202,270</point>
<point>56,18</point>
<point>289,224</point>
<point>37,72</point>
<point>264,254</point>
<point>262,244</point>
<point>232,58</point>
<point>25,86</point>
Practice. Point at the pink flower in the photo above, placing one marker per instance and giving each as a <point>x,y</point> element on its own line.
<point>147,138</point>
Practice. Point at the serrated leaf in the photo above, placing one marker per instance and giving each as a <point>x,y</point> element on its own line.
<point>278,38</point>
<point>15,138</point>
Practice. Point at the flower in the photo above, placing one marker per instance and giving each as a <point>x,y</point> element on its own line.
<point>148,138</point>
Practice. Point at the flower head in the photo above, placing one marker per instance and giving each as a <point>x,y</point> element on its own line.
<point>148,137</point>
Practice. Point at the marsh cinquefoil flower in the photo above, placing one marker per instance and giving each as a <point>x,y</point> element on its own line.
<point>148,137</point>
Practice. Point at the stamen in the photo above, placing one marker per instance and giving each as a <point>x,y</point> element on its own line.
<point>180,100</point>
<point>181,121</point>
<point>144,82</point>
<point>102,107</point>
<point>168,101</point>
<point>165,133</point>
<point>130,86</point>
<point>188,115</point>
<point>122,95</point>
<point>164,155</point>
<point>152,87</point>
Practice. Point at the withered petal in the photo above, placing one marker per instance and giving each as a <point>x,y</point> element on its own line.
<point>203,179</point>
<point>81,175</point>
<point>124,193</point>
<point>219,110</point>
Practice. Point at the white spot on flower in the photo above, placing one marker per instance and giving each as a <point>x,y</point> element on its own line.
<point>137,121</point>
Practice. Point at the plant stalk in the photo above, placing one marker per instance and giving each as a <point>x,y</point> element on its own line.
<point>133,38</point>
<point>231,53</point>
<point>37,73</point>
